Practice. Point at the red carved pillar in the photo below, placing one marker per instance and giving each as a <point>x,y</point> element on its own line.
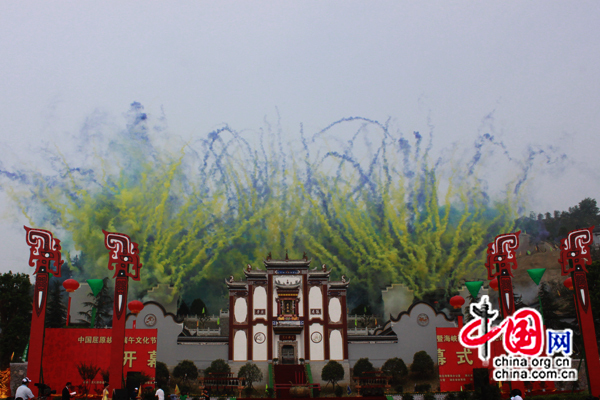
<point>123,254</point>
<point>574,256</point>
<point>44,254</point>
<point>501,260</point>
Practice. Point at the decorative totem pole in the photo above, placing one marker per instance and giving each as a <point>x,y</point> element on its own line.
<point>574,256</point>
<point>501,260</point>
<point>46,258</point>
<point>123,254</point>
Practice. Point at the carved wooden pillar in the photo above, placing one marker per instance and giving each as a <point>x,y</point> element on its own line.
<point>123,254</point>
<point>574,256</point>
<point>46,258</point>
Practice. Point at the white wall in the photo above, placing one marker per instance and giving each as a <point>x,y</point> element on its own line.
<point>317,350</point>
<point>259,351</point>
<point>239,346</point>
<point>335,310</point>
<point>240,310</point>
<point>336,346</point>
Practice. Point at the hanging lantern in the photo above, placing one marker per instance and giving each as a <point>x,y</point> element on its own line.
<point>457,302</point>
<point>494,284</point>
<point>71,285</point>
<point>135,306</point>
<point>568,283</point>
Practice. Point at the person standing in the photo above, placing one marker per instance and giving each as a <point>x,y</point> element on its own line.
<point>23,391</point>
<point>105,391</point>
<point>160,394</point>
<point>66,392</point>
<point>516,395</point>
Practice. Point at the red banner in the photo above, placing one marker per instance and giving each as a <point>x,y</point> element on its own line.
<point>455,362</point>
<point>67,349</point>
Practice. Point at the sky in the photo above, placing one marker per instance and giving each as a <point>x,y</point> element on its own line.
<point>526,72</point>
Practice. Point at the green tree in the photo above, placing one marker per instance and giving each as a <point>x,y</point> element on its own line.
<point>183,310</point>
<point>422,366</point>
<point>557,304</point>
<point>56,311</point>
<point>198,308</point>
<point>103,303</point>
<point>251,373</point>
<point>332,373</point>
<point>15,316</point>
<point>162,374</point>
<point>218,366</point>
<point>185,369</point>
<point>362,365</point>
<point>396,368</point>
<point>558,225</point>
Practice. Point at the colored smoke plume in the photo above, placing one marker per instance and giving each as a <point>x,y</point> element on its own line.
<point>357,196</point>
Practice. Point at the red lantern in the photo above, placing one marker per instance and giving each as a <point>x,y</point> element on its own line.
<point>568,283</point>
<point>71,285</point>
<point>457,302</point>
<point>494,284</point>
<point>135,306</point>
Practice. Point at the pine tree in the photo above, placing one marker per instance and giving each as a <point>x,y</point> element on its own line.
<point>103,304</point>
<point>15,316</point>
<point>56,311</point>
<point>183,310</point>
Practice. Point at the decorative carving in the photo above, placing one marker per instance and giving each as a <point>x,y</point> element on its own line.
<point>575,251</point>
<point>581,289</point>
<point>150,320</point>
<point>316,337</point>
<point>44,251</point>
<point>501,253</point>
<point>260,338</point>
<point>123,254</point>
<point>120,297</point>
<point>423,319</point>
<point>39,297</point>
<point>288,281</point>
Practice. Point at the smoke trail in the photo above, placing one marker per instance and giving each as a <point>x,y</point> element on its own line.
<point>369,206</point>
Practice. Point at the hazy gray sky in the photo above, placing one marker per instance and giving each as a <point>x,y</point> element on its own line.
<point>533,67</point>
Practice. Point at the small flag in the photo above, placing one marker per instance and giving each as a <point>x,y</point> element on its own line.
<point>375,321</point>
<point>218,320</point>
<point>176,390</point>
<point>11,357</point>
<point>365,309</point>
<point>197,323</point>
<point>203,310</point>
<point>355,323</point>
<point>140,392</point>
<point>24,358</point>
<point>349,390</point>
<point>267,388</point>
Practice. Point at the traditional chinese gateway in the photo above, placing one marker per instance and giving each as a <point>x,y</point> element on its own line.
<point>288,312</point>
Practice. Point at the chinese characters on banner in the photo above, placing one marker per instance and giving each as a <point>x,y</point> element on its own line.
<point>65,349</point>
<point>456,362</point>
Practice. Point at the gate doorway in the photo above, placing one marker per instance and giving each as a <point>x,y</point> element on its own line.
<point>288,354</point>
